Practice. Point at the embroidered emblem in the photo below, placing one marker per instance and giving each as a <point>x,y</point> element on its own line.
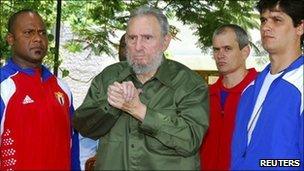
<point>27,99</point>
<point>60,97</point>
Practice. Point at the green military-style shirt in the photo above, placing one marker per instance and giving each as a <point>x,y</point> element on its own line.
<point>171,133</point>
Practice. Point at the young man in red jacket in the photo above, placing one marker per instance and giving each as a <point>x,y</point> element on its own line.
<point>230,51</point>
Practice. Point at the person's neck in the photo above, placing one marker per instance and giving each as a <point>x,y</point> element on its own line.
<point>25,64</point>
<point>232,79</point>
<point>280,61</point>
<point>143,78</point>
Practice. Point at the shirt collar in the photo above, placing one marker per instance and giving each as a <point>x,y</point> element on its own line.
<point>126,71</point>
<point>164,73</point>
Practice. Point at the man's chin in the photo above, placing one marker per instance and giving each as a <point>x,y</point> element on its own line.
<point>139,64</point>
<point>223,71</point>
<point>36,59</point>
<point>140,69</point>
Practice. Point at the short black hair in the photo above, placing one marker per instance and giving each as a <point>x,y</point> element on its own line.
<point>12,19</point>
<point>293,8</point>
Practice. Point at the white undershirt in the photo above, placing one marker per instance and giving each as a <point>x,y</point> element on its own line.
<point>258,105</point>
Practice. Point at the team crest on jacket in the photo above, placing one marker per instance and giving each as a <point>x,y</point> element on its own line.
<point>60,97</point>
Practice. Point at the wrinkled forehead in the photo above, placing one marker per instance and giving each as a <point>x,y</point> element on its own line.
<point>149,18</point>
<point>144,25</point>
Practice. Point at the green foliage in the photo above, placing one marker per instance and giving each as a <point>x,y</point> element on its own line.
<point>205,16</point>
<point>102,19</point>
<point>95,22</point>
<point>73,46</point>
<point>65,73</point>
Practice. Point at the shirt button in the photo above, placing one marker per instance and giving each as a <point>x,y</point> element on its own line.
<point>132,145</point>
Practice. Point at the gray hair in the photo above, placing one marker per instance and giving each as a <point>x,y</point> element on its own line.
<point>157,13</point>
<point>241,35</point>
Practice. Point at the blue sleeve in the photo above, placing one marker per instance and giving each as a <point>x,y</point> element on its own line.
<point>75,161</point>
<point>1,109</point>
<point>301,141</point>
<point>75,151</point>
<point>2,77</point>
<point>5,72</point>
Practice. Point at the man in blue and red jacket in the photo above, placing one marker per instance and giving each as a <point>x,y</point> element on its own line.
<point>36,107</point>
<point>269,130</point>
<point>230,51</point>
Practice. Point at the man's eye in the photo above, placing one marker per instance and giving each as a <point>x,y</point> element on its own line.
<point>43,33</point>
<point>147,37</point>
<point>28,32</point>
<point>132,37</point>
<point>227,48</point>
<point>277,20</point>
<point>215,50</point>
<point>263,21</point>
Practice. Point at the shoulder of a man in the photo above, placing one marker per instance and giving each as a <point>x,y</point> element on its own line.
<point>5,72</point>
<point>295,77</point>
<point>182,75</point>
<point>113,70</point>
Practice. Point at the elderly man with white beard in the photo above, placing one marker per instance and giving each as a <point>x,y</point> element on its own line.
<point>150,112</point>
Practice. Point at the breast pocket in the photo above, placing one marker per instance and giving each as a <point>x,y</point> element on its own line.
<point>156,146</point>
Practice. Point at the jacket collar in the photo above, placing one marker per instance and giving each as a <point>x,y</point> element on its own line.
<point>45,73</point>
<point>295,64</point>
<point>260,79</point>
<point>218,85</point>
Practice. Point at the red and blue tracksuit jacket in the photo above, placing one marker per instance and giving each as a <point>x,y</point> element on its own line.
<point>279,130</point>
<point>35,115</point>
<point>215,150</point>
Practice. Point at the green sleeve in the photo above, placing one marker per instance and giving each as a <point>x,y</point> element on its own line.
<point>181,134</point>
<point>95,117</point>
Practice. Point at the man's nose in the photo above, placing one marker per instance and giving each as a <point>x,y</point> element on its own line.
<point>37,37</point>
<point>220,54</point>
<point>138,44</point>
<point>266,26</point>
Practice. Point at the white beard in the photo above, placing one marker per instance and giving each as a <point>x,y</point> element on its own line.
<point>142,69</point>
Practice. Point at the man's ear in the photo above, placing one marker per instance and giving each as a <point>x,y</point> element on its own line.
<point>300,28</point>
<point>10,39</point>
<point>245,52</point>
<point>167,40</point>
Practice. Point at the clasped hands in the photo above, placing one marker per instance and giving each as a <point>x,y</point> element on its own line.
<point>125,96</point>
